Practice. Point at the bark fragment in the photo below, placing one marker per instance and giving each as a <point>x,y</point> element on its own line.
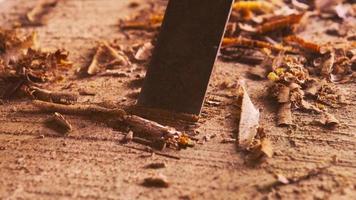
<point>285,115</point>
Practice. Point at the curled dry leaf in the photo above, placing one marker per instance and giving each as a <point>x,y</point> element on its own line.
<point>248,119</point>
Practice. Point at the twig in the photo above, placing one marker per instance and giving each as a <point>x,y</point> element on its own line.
<point>77,109</point>
<point>56,97</point>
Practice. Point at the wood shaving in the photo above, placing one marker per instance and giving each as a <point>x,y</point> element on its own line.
<point>56,97</point>
<point>156,166</point>
<point>159,181</point>
<point>61,123</point>
<point>106,55</point>
<point>248,118</point>
<point>284,115</point>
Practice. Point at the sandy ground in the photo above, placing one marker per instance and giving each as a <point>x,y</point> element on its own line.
<point>92,164</point>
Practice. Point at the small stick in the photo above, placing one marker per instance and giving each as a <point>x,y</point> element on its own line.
<point>77,109</point>
<point>56,97</point>
<point>152,130</point>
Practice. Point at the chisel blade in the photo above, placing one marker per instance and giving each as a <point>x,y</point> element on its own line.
<point>183,59</point>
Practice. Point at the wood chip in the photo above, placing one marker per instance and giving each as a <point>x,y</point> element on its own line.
<point>248,120</point>
<point>330,120</point>
<point>284,115</point>
<point>155,166</point>
<point>104,55</point>
<point>228,140</point>
<point>128,137</point>
<point>159,181</point>
<point>86,92</point>
<point>283,94</point>
<point>257,73</point>
<point>280,23</point>
<point>61,123</point>
<point>282,179</point>
<point>144,53</point>
<point>261,147</point>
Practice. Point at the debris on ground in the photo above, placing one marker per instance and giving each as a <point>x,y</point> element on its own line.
<point>249,118</point>
<point>260,148</point>
<point>55,97</point>
<point>38,16</point>
<point>156,134</point>
<point>59,123</point>
<point>159,181</point>
<point>24,67</point>
<point>156,165</point>
<point>107,57</point>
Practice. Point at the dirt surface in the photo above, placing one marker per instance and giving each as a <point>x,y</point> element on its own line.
<point>37,163</point>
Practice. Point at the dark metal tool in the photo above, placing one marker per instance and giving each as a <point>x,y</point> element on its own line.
<point>183,59</point>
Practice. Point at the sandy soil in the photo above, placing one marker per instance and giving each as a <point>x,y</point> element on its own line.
<point>92,164</point>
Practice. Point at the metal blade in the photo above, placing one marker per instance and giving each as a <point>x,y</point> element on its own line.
<point>183,59</point>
